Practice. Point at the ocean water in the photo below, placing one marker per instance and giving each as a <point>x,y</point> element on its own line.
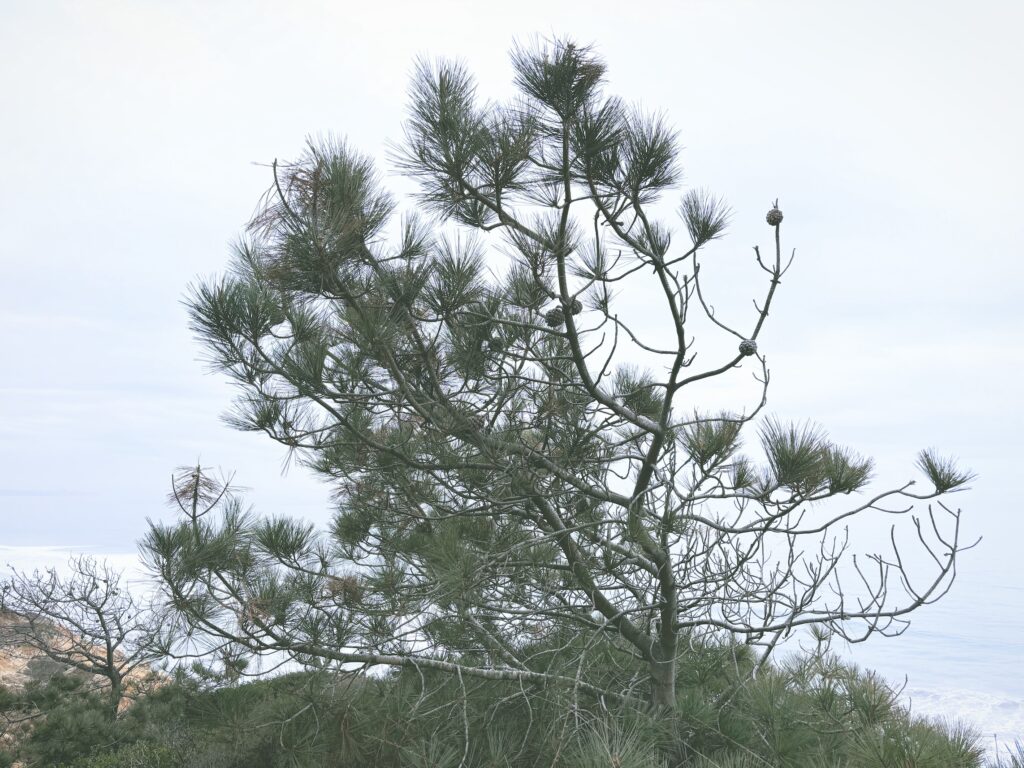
<point>962,658</point>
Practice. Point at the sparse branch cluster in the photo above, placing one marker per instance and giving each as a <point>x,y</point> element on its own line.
<point>510,454</point>
<point>84,620</point>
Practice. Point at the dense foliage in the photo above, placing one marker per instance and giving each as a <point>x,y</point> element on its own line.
<point>810,713</point>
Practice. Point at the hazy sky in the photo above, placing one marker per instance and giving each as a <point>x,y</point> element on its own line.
<point>132,135</point>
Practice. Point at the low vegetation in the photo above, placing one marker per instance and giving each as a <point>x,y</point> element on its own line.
<point>810,713</point>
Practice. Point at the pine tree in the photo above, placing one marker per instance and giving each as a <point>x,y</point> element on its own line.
<point>513,459</point>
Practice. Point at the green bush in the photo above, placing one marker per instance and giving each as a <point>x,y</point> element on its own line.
<point>137,755</point>
<point>807,713</point>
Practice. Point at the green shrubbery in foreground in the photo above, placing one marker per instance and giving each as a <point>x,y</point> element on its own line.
<point>816,713</point>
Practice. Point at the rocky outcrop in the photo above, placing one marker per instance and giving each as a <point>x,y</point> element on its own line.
<point>19,662</point>
<point>15,657</point>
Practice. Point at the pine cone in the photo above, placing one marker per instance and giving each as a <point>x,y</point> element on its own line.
<point>748,347</point>
<point>554,317</point>
<point>774,216</point>
<point>474,422</point>
<point>346,589</point>
<point>576,307</point>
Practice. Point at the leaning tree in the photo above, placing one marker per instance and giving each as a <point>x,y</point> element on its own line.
<point>513,458</point>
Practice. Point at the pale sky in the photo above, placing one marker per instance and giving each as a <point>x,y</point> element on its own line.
<point>132,133</point>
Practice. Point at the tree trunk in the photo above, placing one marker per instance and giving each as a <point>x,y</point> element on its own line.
<point>116,694</point>
<point>663,682</point>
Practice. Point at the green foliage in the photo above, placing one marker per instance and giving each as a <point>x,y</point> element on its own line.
<point>639,392</point>
<point>815,711</point>
<point>810,712</point>
<point>801,458</point>
<point>138,755</point>
<point>562,79</point>
<point>711,441</point>
<point>68,718</point>
<point>705,216</point>
<point>614,744</point>
<point>794,453</point>
<point>943,472</point>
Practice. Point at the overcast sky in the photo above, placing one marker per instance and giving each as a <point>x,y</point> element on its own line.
<point>133,133</point>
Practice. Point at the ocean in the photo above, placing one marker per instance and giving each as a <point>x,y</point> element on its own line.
<point>962,658</point>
